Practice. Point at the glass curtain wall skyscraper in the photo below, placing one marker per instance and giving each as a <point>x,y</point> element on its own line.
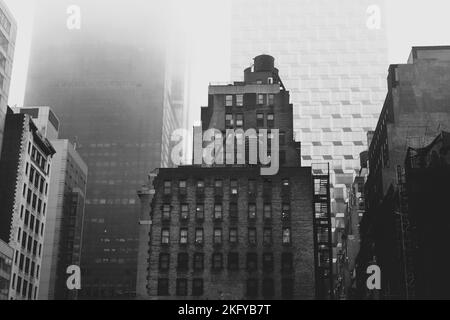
<point>101,65</point>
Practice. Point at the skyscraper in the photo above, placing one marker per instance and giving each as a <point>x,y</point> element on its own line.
<point>8,30</point>
<point>104,73</point>
<point>333,57</point>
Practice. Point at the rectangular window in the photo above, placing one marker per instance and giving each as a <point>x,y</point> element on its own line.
<point>233,211</point>
<point>217,236</point>
<point>239,120</point>
<point>183,261</point>
<point>234,187</point>
<point>167,187</point>
<point>164,261</point>
<point>287,288</point>
<point>268,288</point>
<point>268,262</point>
<point>165,236</point>
<point>286,212</point>
<point>252,261</point>
<point>197,287</point>
<point>252,211</point>
<point>267,211</point>
<point>217,261</point>
<point>200,186</point>
<point>260,120</point>
<point>285,187</point>
<point>252,288</point>
<point>267,236</point>
<point>271,99</point>
<point>233,236</point>
<point>286,236</point>
<point>287,262</point>
<point>184,212</point>
<point>183,187</point>
<point>199,236</point>
<point>270,120</point>
<point>218,212</point>
<point>240,100</point>
<point>252,187</point>
<point>218,187</point>
<point>260,99</point>
<point>228,101</point>
<point>166,212</point>
<point>183,236</point>
<point>200,212</point>
<point>198,261</point>
<point>163,287</point>
<point>182,287</point>
<point>282,138</point>
<point>252,236</point>
<point>233,261</point>
<point>229,122</point>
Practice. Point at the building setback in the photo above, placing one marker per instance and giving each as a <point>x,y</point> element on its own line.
<point>8,32</point>
<point>65,213</point>
<point>414,113</point>
<point>25,171</point>
<point>226,231</point>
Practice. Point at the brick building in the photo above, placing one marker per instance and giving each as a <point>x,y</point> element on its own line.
<point>227,231</point>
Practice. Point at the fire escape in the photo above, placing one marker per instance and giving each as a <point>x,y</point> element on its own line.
<point>322,231</point>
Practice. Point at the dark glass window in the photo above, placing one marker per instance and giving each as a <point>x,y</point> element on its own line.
<point>183,261</point>
<point>164,261</point>
<point>268,288</point>
<point>218,212</point>
<point>167,187</point>
<point>217,261</point>
<point>182,289</point>
<point>197,287</point>
<point>286,212</point>
<point>183,187</point>
<point>233,210</point>
<point>267,211</point>
<point>200,212</point>
<point>270,120</point>
<point>233,261</point>
<point>260,120</point>
<point>267,237</point>
<point>166,212</point>
<point>252,288</point>
<point>163,287</point>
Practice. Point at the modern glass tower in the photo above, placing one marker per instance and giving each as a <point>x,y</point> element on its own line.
<point>333,57</point>
<point>102,66</point>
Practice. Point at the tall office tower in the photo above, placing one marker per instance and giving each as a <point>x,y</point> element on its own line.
<point>8,30</point>
<point>6,260</point>
<point>333,57</point>
<point>227,231</point>
<point>102,66</point>
<point>65,210</point>
<point>25,171</point>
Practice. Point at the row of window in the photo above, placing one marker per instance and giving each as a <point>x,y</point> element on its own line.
<point>237,120</point>
<point>34,200</point>
<point>234,186</point>
<point>36,179</point>
<point>233,236</point>
<point>233,263</point>
<point>31,222</point>
<point>268,288</point>
<point>238,100</point>
<point>24,288</point>
<point>38,158</point>
<point>29,243</point>
<point>252,212</point>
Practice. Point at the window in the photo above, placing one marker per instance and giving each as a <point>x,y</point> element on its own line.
<point>217,236</point>
<point>286,262</point>
<point>183,236</point>
<point>167,187</point>
<point>197,287</point>
<point>252,187</point>
<point>229,123</point>
<point>239,120</point>
<point>218,212</point>
<point>200,186</point>
<point>228,101</point>
<point>240,100</point>
<point>285,187</point>
<point>234,187</point>
<point>286,236</point>
<point>199,236</point>
<point>286,211</point>
<point>260,120</point>
<point>282,157</point>
<point>252,236</point>
<point>233,211</point>
<point>200,212</point>
<point>267,236</point>
<point>217,261</point>
<point>252,261</point>
<point>163,287</point>
<point>183,187</point>
<point>184,212</point>
<point>268,288</point>
<point>287,288</point>
<point>268,262</point>
<point>183,261</point>
<point>166,212</point>
<point>233,236</point>
<point>218,187</point>
<point>165,236</point>
<point>182,287</point>
<point>252,288</point>
<point>270,120</point>
<point>260,99</point>
<point>267,188</point>
<point>282,138</point>
<point>198,261</point>
<point>271,99</point>
<point>252,211</point>
<point>164,261</point>
<point>233,261</point>
<point>267,211</point>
